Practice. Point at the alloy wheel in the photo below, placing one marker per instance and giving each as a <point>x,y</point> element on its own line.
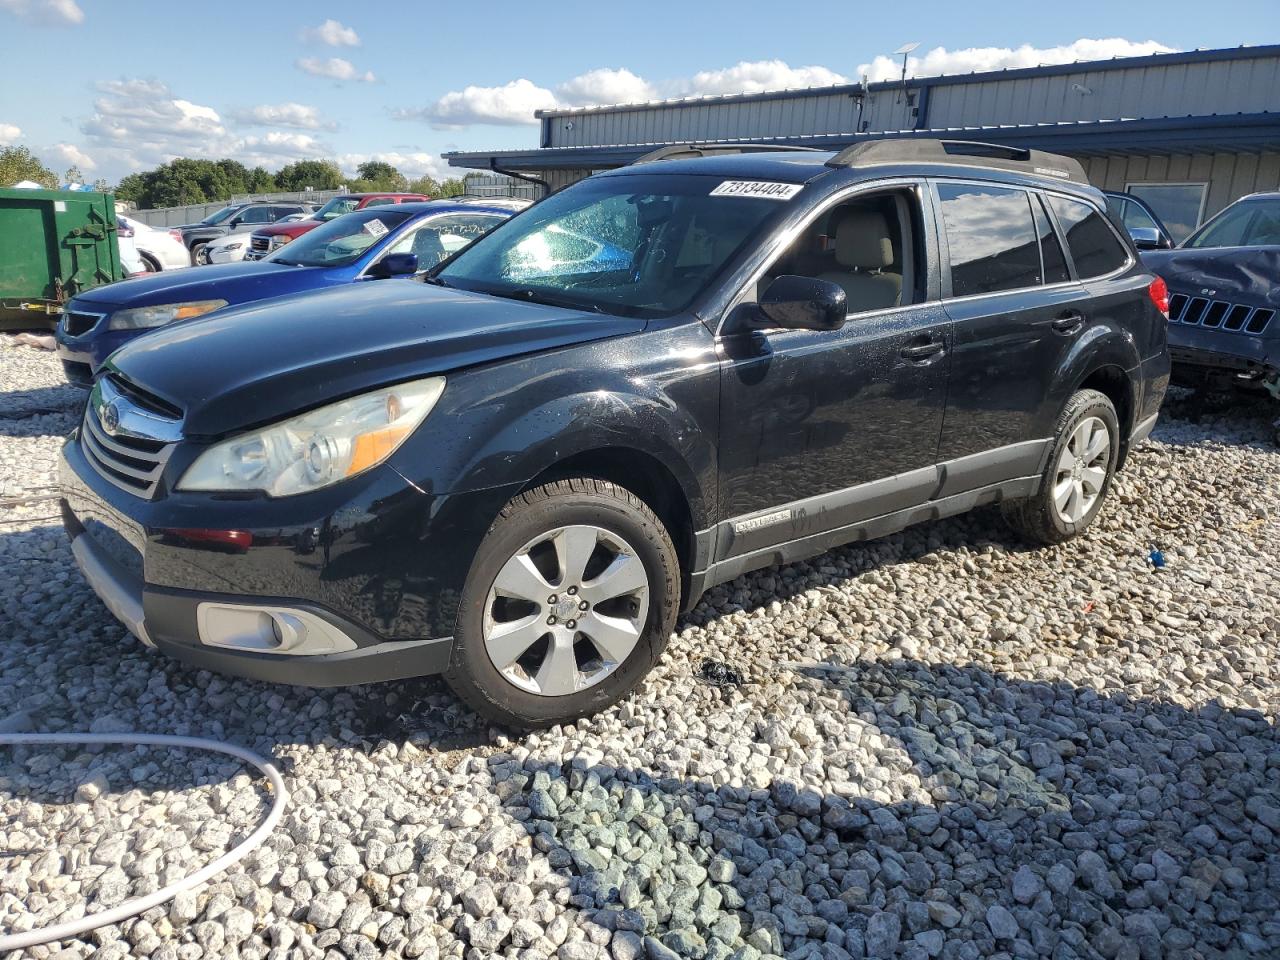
<point>1082,470</point>
<point>566,610</point>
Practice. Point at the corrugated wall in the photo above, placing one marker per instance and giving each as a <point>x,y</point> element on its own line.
<point>1250,85</point>
<point>1229,175</point>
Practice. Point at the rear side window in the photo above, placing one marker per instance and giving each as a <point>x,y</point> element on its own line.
<point>1093,245</point>
<point>991,239</point>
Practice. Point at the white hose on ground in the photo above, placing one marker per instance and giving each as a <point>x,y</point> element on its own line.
<point>131,908</point>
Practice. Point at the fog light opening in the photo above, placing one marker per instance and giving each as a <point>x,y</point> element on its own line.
<point>268,629</point>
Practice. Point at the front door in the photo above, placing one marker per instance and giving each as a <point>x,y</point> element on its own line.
<point>823,429</point>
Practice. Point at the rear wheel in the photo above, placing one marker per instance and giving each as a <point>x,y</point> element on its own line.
<point>150,262</point>
<point>568,604</point>
<point>1082,463</point>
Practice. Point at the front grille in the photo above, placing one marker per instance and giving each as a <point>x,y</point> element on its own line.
<point>131,463</point>
<point>147,401</point>
<point>260,244</point>
<point>1219,314</point>
<point>76,323</point>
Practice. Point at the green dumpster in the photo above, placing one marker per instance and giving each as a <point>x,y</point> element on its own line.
<point>53,245</point>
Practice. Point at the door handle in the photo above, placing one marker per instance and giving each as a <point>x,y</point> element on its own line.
<point>1069,322</point>
<point>922,351</point>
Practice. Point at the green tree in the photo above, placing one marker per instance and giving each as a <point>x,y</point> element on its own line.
<point>380,175</point>
<point>132,188</point>
<point>261,181</point>
<point>18,164</point>
<point>425,186</point>
<point>317,174</point>
<point>452,187</point>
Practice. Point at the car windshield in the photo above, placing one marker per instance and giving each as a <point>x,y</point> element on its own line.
<point>635,245</point>
<point>342,241</point>
<point>337,207</point>
<point>221,215</point>
<point>1249,223</point>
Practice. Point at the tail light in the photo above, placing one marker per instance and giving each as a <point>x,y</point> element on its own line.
<point>123,231</point>
<point>1159,294</point>
<point>176,234</point>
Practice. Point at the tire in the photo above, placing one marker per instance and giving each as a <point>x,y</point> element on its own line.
<point>599,528</point>
<point>199,256</point>
<point>152,264</point>
<point>1075,467</point>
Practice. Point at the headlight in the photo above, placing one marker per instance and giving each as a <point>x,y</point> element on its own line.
<point>280,240</point>
<point>142,318</point>
<point>234,246</point>
<point>317,448</point>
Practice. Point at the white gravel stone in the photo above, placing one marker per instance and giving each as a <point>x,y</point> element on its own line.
<point>945,745</point>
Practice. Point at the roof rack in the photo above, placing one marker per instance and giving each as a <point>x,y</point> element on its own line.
<point>969,152</point>
<point>682,151</point>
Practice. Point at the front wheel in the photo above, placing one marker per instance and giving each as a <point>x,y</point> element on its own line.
<point>568,604</point>
<point>200,254</point>
<point>1082,463</point>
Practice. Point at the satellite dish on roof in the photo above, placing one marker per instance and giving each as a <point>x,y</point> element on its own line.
<point>904,51</point>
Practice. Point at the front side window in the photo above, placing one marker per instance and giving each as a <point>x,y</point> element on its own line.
<point>1094,247</point>
<point>340,241</point>
<point>870,247</point>
<point>1177,204</point>
<point>642,245</point>
<point>256,215</point>
<point>380,201</point>
<point>223,214</point>
<point>1251,223</point>
<point>441,237</point>
<point>991,238</point>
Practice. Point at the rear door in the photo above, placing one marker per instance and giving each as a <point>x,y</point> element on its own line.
<point>1017,311</point>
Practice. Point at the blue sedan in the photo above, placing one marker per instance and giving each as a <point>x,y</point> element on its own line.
<point>375,243</point>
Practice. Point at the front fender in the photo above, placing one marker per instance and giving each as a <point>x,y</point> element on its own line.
<point>656,393</point>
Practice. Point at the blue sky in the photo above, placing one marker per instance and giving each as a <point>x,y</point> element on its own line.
<point>122,85</point>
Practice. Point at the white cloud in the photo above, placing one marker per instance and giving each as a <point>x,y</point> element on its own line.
<point>46,13</point>
<point>9,133</point>
<point>333,34</point>
<point>297,115</point>
<point>756,77</point>
<point>606,86</point>
<point>516,102</point>
<point>508,105</point>
<point>334,68</point>
<point>940,60</point>
<point>68,154</point>
<point>412,165</point>
<point>138,124</point>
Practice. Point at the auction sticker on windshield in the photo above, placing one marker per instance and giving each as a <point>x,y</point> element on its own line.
<point>375,228</point>
<point>763,189</point>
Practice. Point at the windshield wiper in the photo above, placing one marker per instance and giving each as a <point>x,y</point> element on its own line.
<point>437,281</point>
<point>531,295</point>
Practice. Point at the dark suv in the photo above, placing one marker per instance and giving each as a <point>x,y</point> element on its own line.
<point>236,218</point>
<point>518,471</point>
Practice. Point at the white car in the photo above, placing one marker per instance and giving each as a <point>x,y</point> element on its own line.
<point>160,248</point>
<point>130,261</point>
<point>228,249</point>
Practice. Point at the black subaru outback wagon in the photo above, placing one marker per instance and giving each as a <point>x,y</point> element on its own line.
<point>517,472</point>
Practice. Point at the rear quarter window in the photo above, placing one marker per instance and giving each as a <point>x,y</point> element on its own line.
<point>1092,243</point>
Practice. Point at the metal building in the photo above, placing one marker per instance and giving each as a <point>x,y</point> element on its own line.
<point>1189,132</point>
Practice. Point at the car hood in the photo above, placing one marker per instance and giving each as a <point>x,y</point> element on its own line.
<point>293,228</point>
<point>234,282</point>
<point>241,368</point>
<point>1248,275</point>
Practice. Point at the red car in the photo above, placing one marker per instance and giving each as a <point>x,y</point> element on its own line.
<point>278,234</point>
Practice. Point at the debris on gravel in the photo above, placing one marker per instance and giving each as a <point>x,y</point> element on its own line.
<point>940,744</point>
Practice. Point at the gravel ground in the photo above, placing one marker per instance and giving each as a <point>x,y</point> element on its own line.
<point>939,744</point>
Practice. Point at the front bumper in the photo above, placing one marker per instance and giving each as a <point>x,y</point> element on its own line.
<point>373,561</point>
<point>1197,351</point>
<point>82,355</point>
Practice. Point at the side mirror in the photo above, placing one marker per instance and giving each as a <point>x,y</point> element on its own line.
<point>1147,238</point>
<point>804,303</point>
<point>395,265</point>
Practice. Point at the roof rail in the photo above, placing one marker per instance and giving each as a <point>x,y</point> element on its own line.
<point>969,152</point>
<point>682,151</point>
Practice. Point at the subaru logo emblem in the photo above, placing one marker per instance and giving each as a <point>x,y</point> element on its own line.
<point>1206,292</point>
<point>111,418</point>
